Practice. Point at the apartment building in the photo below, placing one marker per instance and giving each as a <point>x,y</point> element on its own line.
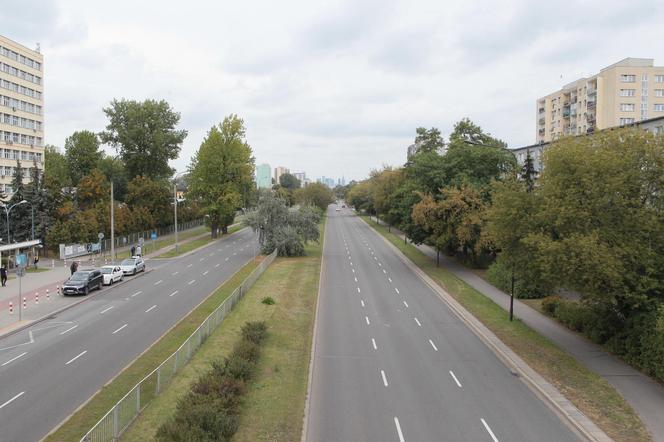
<point>21,111</point>
<point>623,93</point>
<point>278,171</point>
<point>264,176</point>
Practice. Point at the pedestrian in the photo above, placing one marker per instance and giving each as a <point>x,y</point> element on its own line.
<point>3,275</point>
<point>73,267</point>
<point>133,250</point>
<point>139,251</point>
<point>35,261</point>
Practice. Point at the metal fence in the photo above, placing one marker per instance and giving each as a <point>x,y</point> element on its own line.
<point>118,418</point>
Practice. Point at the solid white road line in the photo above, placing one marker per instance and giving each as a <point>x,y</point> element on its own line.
<point>158,282</point>
<point>151,308</point>
<point>382,373</point>
<point>373,341</point>
<point>433,345</point>
<point>205,272</point>
<point>367,319</point>
<point>14,358</point>
<point>493,436</point>
<point>12,399</point>
<point>119,329</point>
<point>399,433</point>
<point>191,282</point>
<point>105,310</point>
<point>137,293</point>
<point>76,357</point>
<point>455,378</point>
<point>362,302</point>
<point>68,330</point>
<point>405,303</point>
<point>174,293</point>
<point>418,322</point>
<point>396,289</point>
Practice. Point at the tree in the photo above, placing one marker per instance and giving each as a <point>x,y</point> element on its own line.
<point>145,135</point>
<point>288,181</point>
<point>114,170</point>
<point>383,184</point>
<point>82,154</point>
<point>56,169</point>
<point>221,171</point>
<point>154,196</point>
<point>429,140</point>
<point>315,194</point>
<point>528,172</point>
<point>20,217</point>
<point>465,131</point>
<point>92,189</point>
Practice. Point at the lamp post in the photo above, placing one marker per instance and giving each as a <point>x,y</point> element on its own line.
<point>175,209</point>
<point>8,211</point>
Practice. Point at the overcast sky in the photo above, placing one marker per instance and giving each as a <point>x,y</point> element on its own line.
<point>327,87</point>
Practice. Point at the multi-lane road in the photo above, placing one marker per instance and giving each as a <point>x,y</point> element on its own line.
<point>393,363</point>
<point>51,368</point>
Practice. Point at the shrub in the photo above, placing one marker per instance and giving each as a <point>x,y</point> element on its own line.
<point>268,300</point>
<point>550,305</point>
<point>248,350</point>
<point>254,331</point>
<point>239,368</point>
<point>572,314</point>
<point>526,284</point>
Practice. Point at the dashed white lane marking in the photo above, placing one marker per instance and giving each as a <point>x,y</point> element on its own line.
<point>399,433</point>
<point>191,282</point>
<point>351,263</point>
<point>358,290</point>
<point>151,308</point>
<point>217,265</point>
<point>382,373</point>
<point>211,254</point>
<point>376,259</point>
<point>380,265</point>
<point>455,378</point>
<point>14,358</point>
<point>201,260</point>
<point>405,303</point>
<point>389,279</point>
<point>362,302</point>
<point>105,310</point>
<point>433,345</point>
<point>355,278</point>
<point>226,259</point>
<point>174,293</point>
<point>205,272</point>
<point>418,322</point>
<point>158,282</point>
<point>76,357</point>
<point>189,265</point>
<point>174,273</point>
<point>366,318</point>
<point>68,330</point>
<point>373,341</point>
<point>385,273</point>
<point>137,293</point>
<point>12,399</point>
<point>353,270</point>
<point>493,436</point>
<point>396,289</point>
<point>119,329</point>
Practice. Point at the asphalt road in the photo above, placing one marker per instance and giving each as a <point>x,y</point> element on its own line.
<point>393,363</point>
<point>50,369</point>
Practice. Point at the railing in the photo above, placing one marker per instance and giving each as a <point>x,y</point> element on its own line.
<point>117,420</point>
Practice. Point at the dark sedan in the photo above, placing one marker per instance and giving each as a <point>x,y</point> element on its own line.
<point>82,282</point>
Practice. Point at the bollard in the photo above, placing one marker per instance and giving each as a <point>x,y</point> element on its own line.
<point>48,296</point>
<point>37,298</point>
<point>11,308</point>
<point>25,303</point>
<point>57,290</point>
<point>53,263</point>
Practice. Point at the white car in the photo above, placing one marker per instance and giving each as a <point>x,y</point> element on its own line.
<point>112,274</point>
<point>133,265</point>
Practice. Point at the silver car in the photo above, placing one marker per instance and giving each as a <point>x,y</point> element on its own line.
<point>133,265</point>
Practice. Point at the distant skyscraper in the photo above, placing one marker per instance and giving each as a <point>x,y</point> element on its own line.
<point>263,176</point>
<point>278,171</point>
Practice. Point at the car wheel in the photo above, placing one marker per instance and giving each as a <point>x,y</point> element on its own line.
<point>87,290</point>
<point>134,272</point>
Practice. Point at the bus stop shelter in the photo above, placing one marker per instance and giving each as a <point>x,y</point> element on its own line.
<point>10,250</point>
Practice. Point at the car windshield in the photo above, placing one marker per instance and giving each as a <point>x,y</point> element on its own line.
<point>106,270</point>
<point>128,262</point>
<point>79,276</point>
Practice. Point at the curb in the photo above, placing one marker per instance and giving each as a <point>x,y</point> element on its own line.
<point>67,307</point>
<point>191,252</point>
<point>569,413</point>
<point>307,400</point>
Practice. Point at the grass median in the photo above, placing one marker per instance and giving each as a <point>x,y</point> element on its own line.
<point>166,241</point>
<point>274,405</point>
<point>196,243</point>
<point>81,421</point>
<point>591,394</point>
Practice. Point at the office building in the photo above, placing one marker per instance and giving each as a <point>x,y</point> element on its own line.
<point>623,93</point>
<point>301,177</point>
<point>263,176</point>
<point>21,111</point>
<point>278,171</point>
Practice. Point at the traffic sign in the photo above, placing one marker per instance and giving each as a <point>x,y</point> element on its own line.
<point>153,236</point>
<point>100,235</point>
<point>21,260</point>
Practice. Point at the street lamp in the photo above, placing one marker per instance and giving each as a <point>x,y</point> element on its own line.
<point>175,209</point>
<point>8,210</point>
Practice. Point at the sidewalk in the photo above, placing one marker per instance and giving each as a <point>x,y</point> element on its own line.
<point>645,395</point>
<point>35,286</point>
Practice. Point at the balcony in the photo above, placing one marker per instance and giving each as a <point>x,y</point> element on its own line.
<point>541,131</point>
<point>592,104</point>
<point>541,121</point>
<point>566,111</point>
<point>540,110</point>
<point>592,92</point>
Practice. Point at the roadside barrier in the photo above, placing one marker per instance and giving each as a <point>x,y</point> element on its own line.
<point>117,419</point>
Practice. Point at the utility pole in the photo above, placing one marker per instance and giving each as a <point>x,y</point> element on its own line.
<point>112,228</point>
<point>512,296</point>
<point>175,213</point>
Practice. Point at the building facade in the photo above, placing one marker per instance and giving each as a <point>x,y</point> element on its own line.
<point>278,171</point>
<point>301,177</point>
<point>263,176</point>
<point>623,93</point>
<point>21,111</point>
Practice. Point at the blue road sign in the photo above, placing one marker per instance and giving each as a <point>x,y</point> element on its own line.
<point>153,236</point>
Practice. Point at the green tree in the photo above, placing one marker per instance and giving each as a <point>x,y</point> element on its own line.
<point>528,172</point>
<point>20,218</point>
<point>429,140</point>
<point>289,181</point>
<point>114,169</point>
<point>145,135</point>
<point>82,154</point>
<point>56,169</point>
<point>92,189</point>
<point>465,131</point>
<point>155,196</point>
<point>316,195</point>
<point>221,171</point>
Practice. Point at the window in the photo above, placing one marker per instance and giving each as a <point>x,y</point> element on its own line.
<point>624,121</point>
<point>659,78</point>
<point>627,78</point>
<point>627,107</point>
<point>659,92</point>
<point>659,107</point>
<point>627,92</point>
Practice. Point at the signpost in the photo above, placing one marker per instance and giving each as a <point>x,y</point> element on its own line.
<point>21,262</point>
<point>153,237</point>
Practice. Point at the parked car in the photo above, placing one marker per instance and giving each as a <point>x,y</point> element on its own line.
<point>133,265</point>
<point>112,274</point>
<point>82,282</point>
